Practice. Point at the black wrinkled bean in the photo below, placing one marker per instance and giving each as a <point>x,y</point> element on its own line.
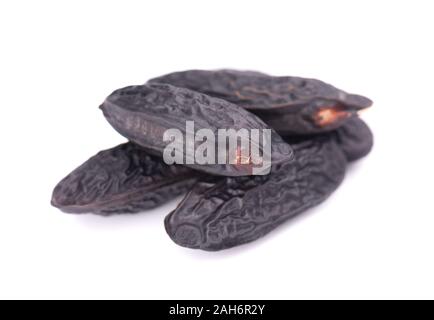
<point>144,113</point>
<point>290,105</point>
<point>124,179</point>
<point>220,213</point>
<point>355,139</point>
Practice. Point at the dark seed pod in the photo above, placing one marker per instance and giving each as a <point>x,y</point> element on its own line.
<point>355,139</point>
<point>291,105</point>
<point>124,179</point>
<point>220,213</point>
<point>143,114</point>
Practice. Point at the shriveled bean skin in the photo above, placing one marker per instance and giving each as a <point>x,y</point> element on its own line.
<point>291,105</point>
<point>124,179</point>
<point>355,139</point>
<point>143,114</point>
<point>220,213</point>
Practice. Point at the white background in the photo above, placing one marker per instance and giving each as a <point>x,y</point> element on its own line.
<point>372,239</point>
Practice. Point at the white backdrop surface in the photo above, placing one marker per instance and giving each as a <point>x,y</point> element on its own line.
<point>58,61</point>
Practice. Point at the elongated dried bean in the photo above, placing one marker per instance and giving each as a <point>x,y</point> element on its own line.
<point>355,139</point>
<point>221,213</point>
<point>291,105</point>
<point>144,113</point>
<point>124,179</point>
